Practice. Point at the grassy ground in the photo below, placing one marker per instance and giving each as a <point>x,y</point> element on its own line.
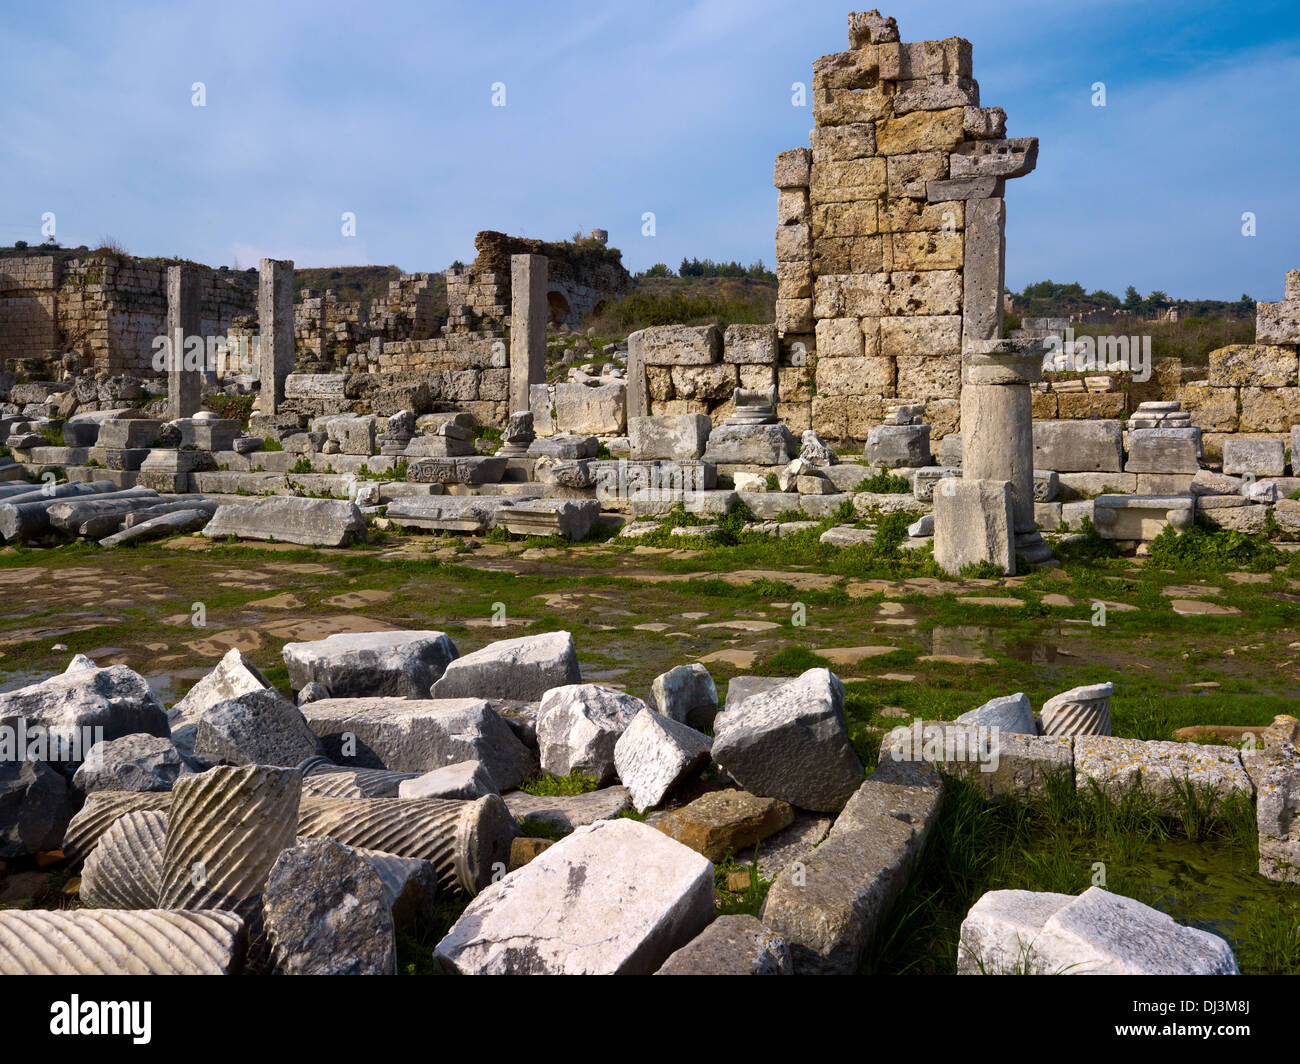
<point>905,639</point>
<point>1200,869</point>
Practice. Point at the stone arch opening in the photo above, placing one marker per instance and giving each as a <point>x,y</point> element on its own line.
<point>559,305</point>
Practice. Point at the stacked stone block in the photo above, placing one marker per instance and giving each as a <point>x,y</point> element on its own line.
<point>690,369</point>
<point>890,244</point>
<point>1252,388</point>
<point>108,309</point>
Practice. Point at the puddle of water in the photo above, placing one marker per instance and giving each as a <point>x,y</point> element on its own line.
<point>1207,888</point>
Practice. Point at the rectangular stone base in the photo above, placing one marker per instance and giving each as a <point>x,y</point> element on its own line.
<point>973,523</point>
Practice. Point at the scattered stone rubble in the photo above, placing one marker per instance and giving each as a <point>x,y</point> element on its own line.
<point>260,853</point>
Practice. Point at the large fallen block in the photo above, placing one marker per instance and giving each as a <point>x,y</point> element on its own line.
<point>326,912</point>
<point>448,513</point>
<point>523,669</point>
<point>791,743</point>
<point>829,905</point>
<point>371,664</point>
<point>120,942</point>
<point>311,522</point>
<point>1021,932</point>
<point>570,518</point>
<point>418,735</point>
<point>615,897</point>
<point>233,676</point>
<point>1160,768</point>
<point>85,705</point>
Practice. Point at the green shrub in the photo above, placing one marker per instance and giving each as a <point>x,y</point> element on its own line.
<point>884,483</point>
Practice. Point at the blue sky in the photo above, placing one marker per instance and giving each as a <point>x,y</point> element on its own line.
<point>677,107</point>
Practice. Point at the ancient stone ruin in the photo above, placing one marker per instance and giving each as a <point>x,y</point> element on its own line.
<point>571,822</point>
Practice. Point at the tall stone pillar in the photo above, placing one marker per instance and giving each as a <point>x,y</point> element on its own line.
<point>528,314</point>
<point>275,328</point>
<point>184,320</point>
<point>984,269</point>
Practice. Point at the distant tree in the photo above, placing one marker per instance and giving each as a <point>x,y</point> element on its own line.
<point>659,269</point>
<point>1132,298</point>
<point>20,243</point>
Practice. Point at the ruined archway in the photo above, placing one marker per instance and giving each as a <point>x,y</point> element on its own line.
<point>560,310</point>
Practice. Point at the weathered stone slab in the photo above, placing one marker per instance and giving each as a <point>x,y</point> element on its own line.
<point>311,522</point>
<point>973,523</point>
<point>764,445</point>
<point>566,812</point>
<point>791,743</point>
<point>726,821</point>
<point>616,897</point>
<point>465,780</point>
<point>1245,454</point>
<point>1097,933</point>
<point>1079,446</point>
<point>1141,517</point>
<point>732,945</point>
<point>419,735</point>
<point>656,754</point>
<point>895,446</point>
<point>447,513</point>
<point>680,437</point>
<point>483,469</point>
<point>326,912</point>
<point>523,669</point>
<point>569,518</point>
<point>1163,451</point>
<point>1158,767</point>
<point>371,664</point>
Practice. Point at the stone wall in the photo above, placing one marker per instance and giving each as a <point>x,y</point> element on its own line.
<point>466,371</point>
<point>1247,388</point>
<point>29,323</point>
<point>326,328</point>
<point>890,237</point>
<point>580,279</point>
<point>107,309</point>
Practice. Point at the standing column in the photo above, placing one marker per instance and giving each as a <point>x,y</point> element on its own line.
<point>997,432</point>
<point>528,314</point>
<point>184,321</point>
<point>275,328</point>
